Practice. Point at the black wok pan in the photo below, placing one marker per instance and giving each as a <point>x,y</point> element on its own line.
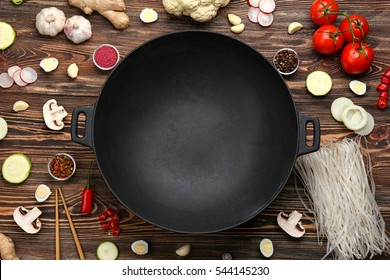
<point>195,132</point>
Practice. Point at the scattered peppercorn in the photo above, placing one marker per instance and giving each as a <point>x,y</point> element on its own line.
<point>286,61</point>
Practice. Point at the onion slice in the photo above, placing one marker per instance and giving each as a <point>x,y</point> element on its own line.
<point>29,75</point>
<point>265,20</point>
<point>11,70</point>
<point>254,3</point>
<point>267,6</point>
<point>18,80</point>
<point>253,13</point>
<point>5,80</point>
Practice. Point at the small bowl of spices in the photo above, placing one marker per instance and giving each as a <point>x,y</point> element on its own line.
<point>106,57</point>
<point>62,166</point>
<point>286,61</point>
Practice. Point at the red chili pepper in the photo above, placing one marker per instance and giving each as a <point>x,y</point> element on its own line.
<point>382,103</point>
<point>105,226</point>
<point>110,212</point>
<point>102,216</point>
<point>384,94</point>
<point>387,74</point>
<point>87,196</point>
<point>115,217</point>
<point>382,87</point>
<point>113,224</point>
<point>385,80</point>
<point>116,231</point>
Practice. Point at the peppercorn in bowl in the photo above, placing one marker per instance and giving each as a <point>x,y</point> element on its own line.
<point>286,61</point>
<point>62,166</point>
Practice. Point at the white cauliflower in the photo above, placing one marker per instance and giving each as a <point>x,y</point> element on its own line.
<point>199,10</point>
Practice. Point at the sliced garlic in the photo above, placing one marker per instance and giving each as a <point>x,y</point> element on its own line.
<point>233,19</point>
<point>148,15</point>
<point>49,64</point>
<point>294,27</point>
<point>358,87</point>
<point>20,106</point>
<point>237,29</point>
<point>42,193</point>
<point>140,247</point>
<point>266,247</point>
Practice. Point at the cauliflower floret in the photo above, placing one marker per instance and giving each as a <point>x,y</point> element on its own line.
<point>199,10</point>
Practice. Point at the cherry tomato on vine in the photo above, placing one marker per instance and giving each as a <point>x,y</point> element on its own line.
<point>324,11</point>
<point>356,58</point>
<point>356,25</point>
<point>327,39</point>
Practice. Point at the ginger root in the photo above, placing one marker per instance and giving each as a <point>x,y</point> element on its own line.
<point>113,10</point>
<point>7,248</point>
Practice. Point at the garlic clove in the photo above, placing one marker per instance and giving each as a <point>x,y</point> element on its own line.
<point>183,250</point>
<point>294,27</point>
<point>72,70</point>
<point>49,64</point>
<point>42,193</point>
<point>20,106</point>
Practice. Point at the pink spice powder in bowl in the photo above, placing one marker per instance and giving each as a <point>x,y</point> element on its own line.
<point>106,57</point>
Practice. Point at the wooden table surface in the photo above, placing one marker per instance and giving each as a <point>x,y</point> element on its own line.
<point>28,133</point>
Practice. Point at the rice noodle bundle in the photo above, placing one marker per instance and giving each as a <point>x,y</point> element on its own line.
<point>343,200</point>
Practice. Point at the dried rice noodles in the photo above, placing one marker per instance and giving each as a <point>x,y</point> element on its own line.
<point>342,197</point>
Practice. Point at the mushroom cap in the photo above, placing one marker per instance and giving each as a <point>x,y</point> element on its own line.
<point>28,219</point>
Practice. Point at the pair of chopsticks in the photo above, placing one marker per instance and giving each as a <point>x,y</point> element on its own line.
<point>72,228</point>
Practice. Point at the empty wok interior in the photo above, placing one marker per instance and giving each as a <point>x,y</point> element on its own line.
<point>195,132</point>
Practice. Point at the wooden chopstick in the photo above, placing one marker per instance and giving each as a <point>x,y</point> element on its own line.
<point>58,252</point>
<point>72,228</point>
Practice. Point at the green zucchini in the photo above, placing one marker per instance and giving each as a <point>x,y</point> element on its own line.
<point>107,250</point>
<point>16,168</point>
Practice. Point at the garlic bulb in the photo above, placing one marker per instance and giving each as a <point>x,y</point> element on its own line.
<point>78,29</point>
<point>50,21</point>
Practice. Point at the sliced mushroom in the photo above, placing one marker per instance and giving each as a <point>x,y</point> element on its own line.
<point>28,219</point>
<point>291,223</point>
<point>54,114</point>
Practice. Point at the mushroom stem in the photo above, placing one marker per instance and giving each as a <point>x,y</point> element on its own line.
<point>294,218</point>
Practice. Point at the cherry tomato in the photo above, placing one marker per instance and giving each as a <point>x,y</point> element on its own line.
<point>324,11</point>
<point>356,25</point>
<point>356,58</point>
<point>382,103</point>
<point>327,39</point>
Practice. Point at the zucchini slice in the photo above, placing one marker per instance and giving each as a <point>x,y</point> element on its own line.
<point>7,35</point>
<point>319,83</point>
<point>16,168</point>
<point>107,250</point>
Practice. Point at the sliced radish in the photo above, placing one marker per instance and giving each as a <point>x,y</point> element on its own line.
<point>267,6</point>
<point>254,3</point>
<point>11,70</point>
<point>5,80</point>
<point>253,14</point>
<point>265,19</point>
<point>18,80</point>
<point>28,75</point>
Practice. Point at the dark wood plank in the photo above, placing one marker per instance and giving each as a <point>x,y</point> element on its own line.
<point>28,133</point>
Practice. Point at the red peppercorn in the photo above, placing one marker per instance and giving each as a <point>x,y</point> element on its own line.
<point>382,103</point>
<point>384,94</point>
<point>382,87</point>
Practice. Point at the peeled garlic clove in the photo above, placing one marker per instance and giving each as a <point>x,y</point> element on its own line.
<point>72,70</point>
<point>140,247</point>
<point>237,29</point>
<point>233,19</point>
<point>20,106</point>
<point>294,27</point>
<point>184,250</point>
<point>266,247</point>
<point>49,64</point>
<point>358,87</point>
<point>148,15</point>
<point>42,193</point>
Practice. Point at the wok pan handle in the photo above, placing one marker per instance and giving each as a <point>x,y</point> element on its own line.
<point>303,132</point>
<point>86,140</point>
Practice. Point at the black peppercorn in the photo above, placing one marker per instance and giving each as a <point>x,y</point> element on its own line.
<point>286,61</point>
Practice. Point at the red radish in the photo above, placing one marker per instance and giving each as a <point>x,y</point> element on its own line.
<point>5,80</point>
<point>267,6</point>
<point>18,80</point>
<point>265,19</point>
<point>11,70</point>
<point>253,14</point>
<point>28,75</point>
<point>254,3</point>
